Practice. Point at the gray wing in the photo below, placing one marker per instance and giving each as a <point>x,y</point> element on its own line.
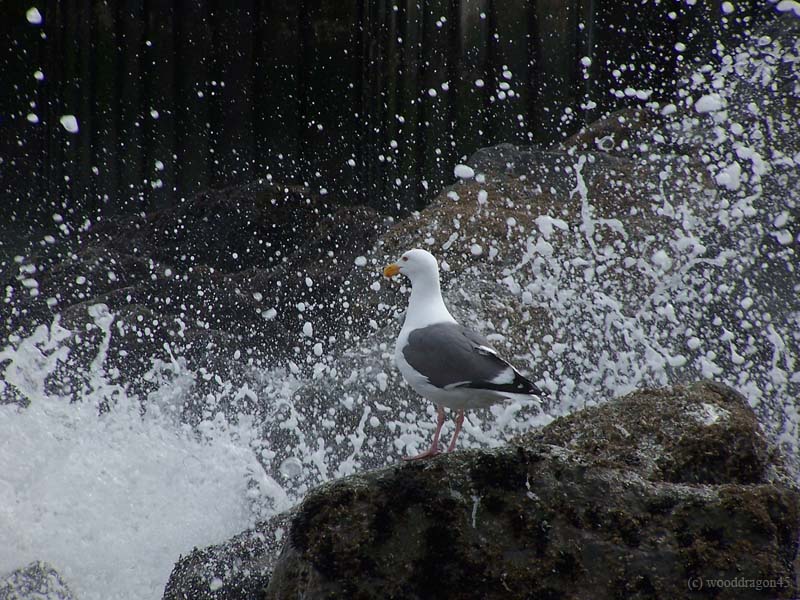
<point>451,355</point>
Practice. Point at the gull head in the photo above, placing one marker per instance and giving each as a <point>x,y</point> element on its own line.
<point>416,264</point>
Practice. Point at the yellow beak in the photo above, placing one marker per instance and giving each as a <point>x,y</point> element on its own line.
<point>391,270</point>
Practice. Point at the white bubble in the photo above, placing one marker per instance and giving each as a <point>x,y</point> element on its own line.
<point>291,467</point>
<point>789,5</point>
<point>69,122</point>
<point>464,172</point>
<point>34,16</point>
<point>661,259</point>
<point>709,103</point>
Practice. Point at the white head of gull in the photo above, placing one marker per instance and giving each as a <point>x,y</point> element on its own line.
<point>443,361</point>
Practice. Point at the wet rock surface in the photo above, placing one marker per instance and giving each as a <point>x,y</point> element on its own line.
<point>642,497</point>
<point>238,569</point>
<point>705,433</point>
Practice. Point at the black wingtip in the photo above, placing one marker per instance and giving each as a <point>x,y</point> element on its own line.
<point>520,385</point>
<point>525,386</point>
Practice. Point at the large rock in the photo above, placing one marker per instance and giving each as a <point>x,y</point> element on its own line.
<point>238,569</point>
<point>659,494</point>
<point>705,433</point>
<point>649,503</point>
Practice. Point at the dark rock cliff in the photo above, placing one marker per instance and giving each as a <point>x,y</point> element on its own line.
<point>670,493</point>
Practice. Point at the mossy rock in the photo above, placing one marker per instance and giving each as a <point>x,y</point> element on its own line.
<point>703,433</point>
<point>587,508</point>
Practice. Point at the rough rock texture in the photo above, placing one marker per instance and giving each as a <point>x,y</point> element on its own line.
<point>572,512</point>
<point>37,581</point>
<point>642,497</point>
<point>238,569</point>
<point>704,434</point>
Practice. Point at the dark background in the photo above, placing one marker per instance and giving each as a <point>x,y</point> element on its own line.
<point>224,93</point>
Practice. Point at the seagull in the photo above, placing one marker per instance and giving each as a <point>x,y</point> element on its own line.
<point>448,364</point>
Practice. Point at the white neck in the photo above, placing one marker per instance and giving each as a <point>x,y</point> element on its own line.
<point>425,306</point>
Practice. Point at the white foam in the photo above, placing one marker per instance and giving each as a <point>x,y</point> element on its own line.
<point>463,172</point>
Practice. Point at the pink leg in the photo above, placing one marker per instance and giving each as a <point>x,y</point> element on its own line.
<point>459,421</point>
<point>434,449</point>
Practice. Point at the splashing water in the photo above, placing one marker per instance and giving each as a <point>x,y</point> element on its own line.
<point>113,498</point>
<point>111,486</point>
<point>712,291</point>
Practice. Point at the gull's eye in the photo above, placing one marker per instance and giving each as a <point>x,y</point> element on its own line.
<point>405,258</point>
